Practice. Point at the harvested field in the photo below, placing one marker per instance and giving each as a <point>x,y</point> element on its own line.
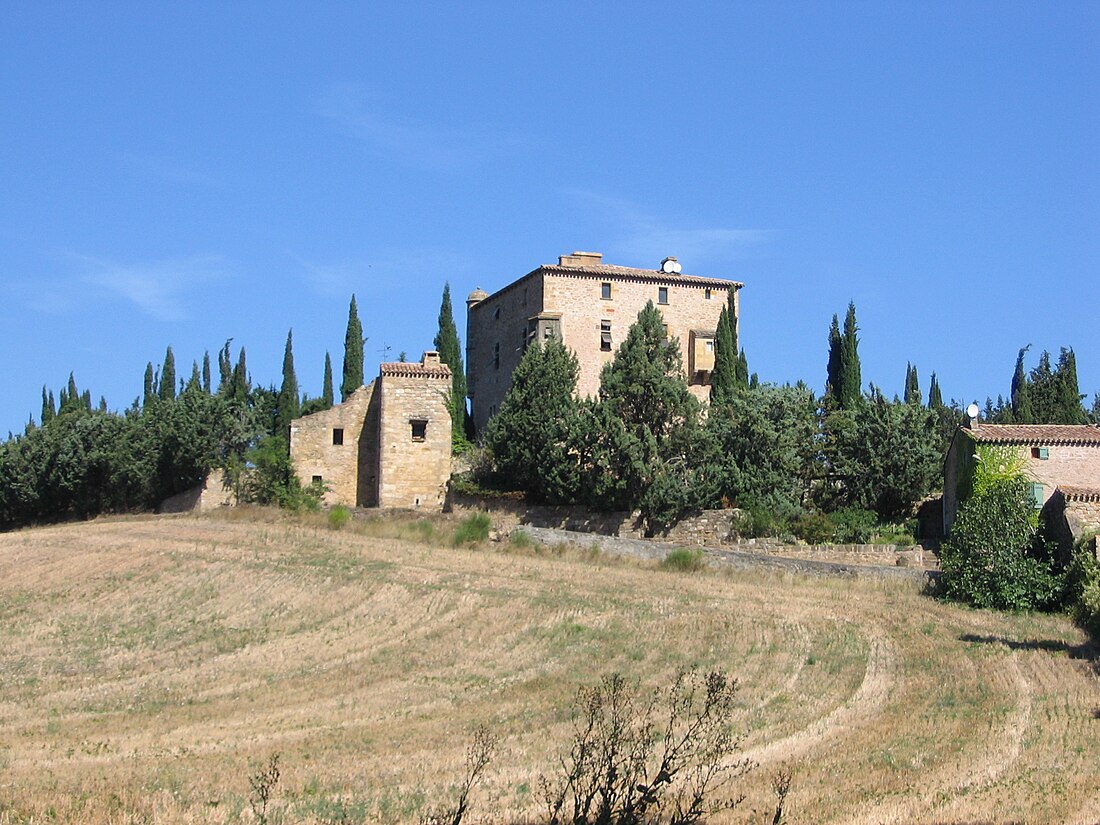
<point>150,667</point>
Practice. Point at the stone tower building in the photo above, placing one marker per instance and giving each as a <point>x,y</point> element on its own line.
<point>387,445</point>
<point>587,305</point>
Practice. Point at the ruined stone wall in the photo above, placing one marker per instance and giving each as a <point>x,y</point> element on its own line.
<point>314,454</point>
<point>413,472</point>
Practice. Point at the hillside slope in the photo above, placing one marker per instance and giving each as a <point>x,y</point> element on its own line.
<point>148,667</point>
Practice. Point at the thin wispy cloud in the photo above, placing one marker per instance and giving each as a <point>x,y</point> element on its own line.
<point>415,142</point>
<point>634,232</point>
<point>157,288</point>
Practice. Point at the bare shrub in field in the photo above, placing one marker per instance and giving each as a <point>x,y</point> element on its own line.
<point>262,784</point>
<point>638,760</point>
<point>478,755</point>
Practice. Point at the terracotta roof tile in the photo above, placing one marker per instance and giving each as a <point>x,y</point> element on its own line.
<point>1037,434</point>
<point>613,271</point>
<point>405,369</point>
<point>1079,493</point>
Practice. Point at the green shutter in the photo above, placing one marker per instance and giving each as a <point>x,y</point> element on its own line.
<point>1036,494</point>
<point>1044,453</point>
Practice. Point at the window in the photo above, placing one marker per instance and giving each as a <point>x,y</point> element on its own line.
<point>605,290</point>
<point>419,429</point>
<point>496,314</point>
<point>318,480</point>
<point>338,437</point>
<point>605,336</point>
<point>664,328</point>
<point>496,355</point>
<point>547,332</point>
<point>662,294</point>
<point>1036,491</point>
<point>706,293</point>
<point>1041,453</point>
<point>710,346</point>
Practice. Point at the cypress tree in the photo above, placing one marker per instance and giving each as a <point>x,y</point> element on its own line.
<point>195,381</point>
<point>450,353</point>
<point>86,399</point>
<point>935,398</point>
<point>206,385</point>
<point>238,386</point>
<point>1020,398</point>
<point>851,380</point>
<point>723,380</point>
<point>353,353</point>
<point>835,368</point>
<point>150,390</point>
<point>49,411</point>
<point>742,371</point>
<point>225,368</point>
<point>912,385</point>
<point>288,405</point>
<point>326,387</point>
<point>1068,409</point>
<point>1042,392</point>
<point>168,377</point>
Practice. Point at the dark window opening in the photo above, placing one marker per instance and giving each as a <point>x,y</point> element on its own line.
<point>419,429</point>
<point>496,356</point>
<point>605,291</point>
<point>337,437</point>
<point>706,293</point>
<point>1041,453</point>
<point>605,336</point>
<point>318,480</point>
<point>662,294</point>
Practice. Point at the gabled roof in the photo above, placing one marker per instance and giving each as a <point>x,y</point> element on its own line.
<point>1035,434</point>
<point>405,369</point>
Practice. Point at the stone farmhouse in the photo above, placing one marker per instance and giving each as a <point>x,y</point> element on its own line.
<point>587,305</point>
<point>1063,468</point>
<point>387,445</point>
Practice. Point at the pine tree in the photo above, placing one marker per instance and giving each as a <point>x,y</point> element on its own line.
<point>168,377</point>
<point>450,353</point>
<point>353,353</point>
<point>912,385</point>
<point>935,398</point>
<point>206,383</point>
<point>851,380</point>
<point>1020,398</point>
<point>723,381</point>
<point>326,387</point>
<point>49,411</point>
<point>288,406</point>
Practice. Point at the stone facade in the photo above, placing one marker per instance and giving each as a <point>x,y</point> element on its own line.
<point>1070,514</point>
<point>589,306</point>
<point>387,445</point>
<point>1054,454</point>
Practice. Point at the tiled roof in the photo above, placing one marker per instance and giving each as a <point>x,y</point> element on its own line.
<point>1079,493</point>
<point>404,369</point>
<point>611,271</point>
<point>1036,434</point>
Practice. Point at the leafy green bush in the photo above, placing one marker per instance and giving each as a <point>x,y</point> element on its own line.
<point>338,516</point>
<point>756,521</point>
<point>814,528</point>
<point>473,529</point>
<point>855,525</point>
<point>1082,592</point>
<point>520,540</point>
<point>684,560</point>
<point>990,560</point>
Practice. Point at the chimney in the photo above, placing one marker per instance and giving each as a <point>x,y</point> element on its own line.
<point>430,359</point>
<point>581,259</point>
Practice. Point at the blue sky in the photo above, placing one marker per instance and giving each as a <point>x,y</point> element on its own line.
<point>185,173</point>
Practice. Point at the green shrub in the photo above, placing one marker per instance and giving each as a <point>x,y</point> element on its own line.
<point>814,528</point>
<point>473,529</point>
<point>338,516</point>
<point>755,521</point>
<point>855,525</point>
<point>684,560</point>
<point>520,540</point>
<point>1082,592</point>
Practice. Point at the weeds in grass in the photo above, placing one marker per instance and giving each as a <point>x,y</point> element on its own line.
<point>262,785</point>
<point>338,516</point>
<point>521,540</point>
<point>473,529</point>
<point>684,560</point>
<point>478,755</point>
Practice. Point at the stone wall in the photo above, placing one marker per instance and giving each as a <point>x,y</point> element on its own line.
<point>1070,466</point>
<point>414,464</point>
<point>212,493</point>
<point>315,455</point>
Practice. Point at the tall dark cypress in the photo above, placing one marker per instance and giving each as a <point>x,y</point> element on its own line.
<point>206,384</point>
<point>194,383</point>
<point>851,380</point>
<point>168,377</point>
<point>326,387</point>
<point>912,385</point>
<point>49,412</point>
<point>1068,397</point>
<point>723,379</point>
<point>450,353</point>
<point>225,369</point>
<point>1020,398</point>
<point>238,386</point>
<point>935,398</point>
<point>353,353</point>
<point>149,391</point>
<point>836,357</point>
<point>288,405</point>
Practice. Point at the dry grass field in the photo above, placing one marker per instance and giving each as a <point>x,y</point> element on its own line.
<point>149,667</point>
